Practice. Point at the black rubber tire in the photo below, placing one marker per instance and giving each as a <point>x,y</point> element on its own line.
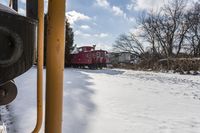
<point>10,90</point>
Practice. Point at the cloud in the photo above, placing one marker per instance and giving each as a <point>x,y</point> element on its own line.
<point>103,3</point>
<point>99,45</point>
<point>136,30</point>
<point>101,35</point>
<point>74,16</point>
<point>80,33</point>
<point>85,35</point>
<point>132,5</point>
<point>139,5</point>
<point>85,27</point>
<point>117,11</point>
<point>149,5</point>
<point>104,46</point>
<point>131,19</point>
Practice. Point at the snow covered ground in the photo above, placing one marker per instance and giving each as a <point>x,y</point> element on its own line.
<point>114,101</point>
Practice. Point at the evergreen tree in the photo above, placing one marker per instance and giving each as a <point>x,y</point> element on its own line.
<point>69,41</point>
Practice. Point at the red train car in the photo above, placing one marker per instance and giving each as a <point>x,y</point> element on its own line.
<point>87,56</point>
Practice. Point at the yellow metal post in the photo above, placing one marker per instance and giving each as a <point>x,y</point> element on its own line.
<point>55,66</point>
<point>40,61</point>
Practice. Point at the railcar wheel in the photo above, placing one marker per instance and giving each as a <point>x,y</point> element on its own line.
<point>100,66</point>
<point>8,93</point>
<point>90,66</point>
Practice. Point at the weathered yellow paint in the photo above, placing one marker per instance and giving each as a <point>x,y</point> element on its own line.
<point>40,49</point>
<point>55,66</point>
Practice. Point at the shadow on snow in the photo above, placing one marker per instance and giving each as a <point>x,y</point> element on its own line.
<point>78,105</point>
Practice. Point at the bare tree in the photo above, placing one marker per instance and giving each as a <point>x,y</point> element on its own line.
<point>174,26</point>
<point>193,36</point>
<point>148,32</point>
<point>171,32</point>
<point>129,43</point>
<point>166,30</point>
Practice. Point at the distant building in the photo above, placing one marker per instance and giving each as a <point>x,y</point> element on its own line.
<point>122,57</point>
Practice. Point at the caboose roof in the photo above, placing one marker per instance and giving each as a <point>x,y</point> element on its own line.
<point>85,47</point>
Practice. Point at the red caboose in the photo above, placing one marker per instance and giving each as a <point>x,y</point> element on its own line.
<point>88,56</point>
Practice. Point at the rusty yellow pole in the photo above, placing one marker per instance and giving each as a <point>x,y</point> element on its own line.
<point>40,49</point>
<point>55,66</point>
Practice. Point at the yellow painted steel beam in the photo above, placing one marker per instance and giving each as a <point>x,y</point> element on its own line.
<point>40,49</point>
<point>55,66</point>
